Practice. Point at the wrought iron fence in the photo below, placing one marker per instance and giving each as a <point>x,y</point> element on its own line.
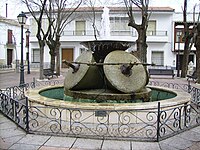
<point>149,125</point>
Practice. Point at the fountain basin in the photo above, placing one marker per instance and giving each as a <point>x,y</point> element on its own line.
<point>122,121</point>
<point>181,98</point>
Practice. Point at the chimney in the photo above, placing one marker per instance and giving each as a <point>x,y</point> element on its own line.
<point>6,10</point>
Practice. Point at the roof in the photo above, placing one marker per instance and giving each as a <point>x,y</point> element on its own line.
<point>159,9</point>
<point>10,21</point>
<point>115,9</point>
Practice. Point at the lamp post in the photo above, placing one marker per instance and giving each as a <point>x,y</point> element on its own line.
<point>178,59</point>
<point>22,20</point>
<point>27,45</point>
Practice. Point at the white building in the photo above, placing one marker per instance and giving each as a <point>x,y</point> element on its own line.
<point>10,42</point>
<point>161,35</point>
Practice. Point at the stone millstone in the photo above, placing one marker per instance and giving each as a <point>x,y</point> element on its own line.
<point>86,77</point>
<point>125,83</point>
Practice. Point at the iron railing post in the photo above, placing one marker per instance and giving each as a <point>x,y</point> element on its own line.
<point>34,82</point>
<point>189,86</point>
<point>158,123</point>
<point>185,115</point>
<point>27,115</point>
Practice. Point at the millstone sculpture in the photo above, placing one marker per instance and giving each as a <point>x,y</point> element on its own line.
<point>107,72</point>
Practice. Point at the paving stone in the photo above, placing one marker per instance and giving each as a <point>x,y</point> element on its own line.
<point>164,146</point>
<point>11,132</point>
<point>8,142</point>
<point>177,142</point>
<point>190,135</point>
<point>5,145</point>
<point>116,145</point>
<point>34,139</point>
<point>7,125</point>
<point>145,146</point>
<point>60,141</point>
<point>89,144</point>
<point>53,148</point>
<point>24,147</point>
<point>195,146</point>
<point>196,129</point>
<point>4,119</point>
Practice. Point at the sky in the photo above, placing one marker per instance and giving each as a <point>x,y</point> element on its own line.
<point>15,7</point>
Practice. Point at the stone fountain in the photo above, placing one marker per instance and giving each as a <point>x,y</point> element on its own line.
<point>106,71</point>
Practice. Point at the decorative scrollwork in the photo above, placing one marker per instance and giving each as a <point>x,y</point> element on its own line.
<point>162,131</point>
<point>124,130</point>
<point>151,116</point>
<point>125,117</point>
<point>55,126</point>
<point>55,112</point>
<point>150,131</point>
<point>76,128</point>
<point>101,129</point>
<point>76,115</point>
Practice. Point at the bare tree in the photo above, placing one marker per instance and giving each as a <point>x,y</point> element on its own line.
<point>59,14</point>
<point>140,28</point>
<point>34,7</point>
<point>187,41</point>
<point>91,4</point>
<point>191,37</point>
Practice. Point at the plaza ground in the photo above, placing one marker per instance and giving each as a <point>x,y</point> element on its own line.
<point>13,137</point>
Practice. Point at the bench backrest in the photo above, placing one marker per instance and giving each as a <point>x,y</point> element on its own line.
<point>161,71</point>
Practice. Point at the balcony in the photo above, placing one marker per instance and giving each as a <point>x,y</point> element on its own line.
<point>11,44</point>
<point>112,33</point>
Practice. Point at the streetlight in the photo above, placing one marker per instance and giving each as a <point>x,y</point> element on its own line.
<point>22,20</point>
<point>27,45</point>
<point>178,59</point>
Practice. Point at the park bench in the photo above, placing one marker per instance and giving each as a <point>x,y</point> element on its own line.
<point>161,72</point>
<point>49,73</point>
<point>193,76</point>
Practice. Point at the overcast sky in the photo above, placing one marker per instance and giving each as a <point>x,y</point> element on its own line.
<point>15,7</point>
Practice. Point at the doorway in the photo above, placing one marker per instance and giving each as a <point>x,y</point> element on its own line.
<point>67,54</point>
<point>191,58</point>
<point>9,56</point>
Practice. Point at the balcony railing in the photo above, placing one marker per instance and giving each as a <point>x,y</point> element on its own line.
<point>112,33</point>
<point>156,33</point>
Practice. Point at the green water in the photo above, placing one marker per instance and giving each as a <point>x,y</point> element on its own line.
<point>58,93</point>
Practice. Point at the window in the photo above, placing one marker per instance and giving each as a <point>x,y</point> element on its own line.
<point>33,26</point>
<point>119,26</point>
<point>80,27</point>
<point>179,35</point>
<point>157,58</point>
<point>36,56</point>
<point>10,36</point>
<point>151,30</point>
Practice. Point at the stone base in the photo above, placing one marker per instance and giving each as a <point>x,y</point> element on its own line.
<point>103,95</point>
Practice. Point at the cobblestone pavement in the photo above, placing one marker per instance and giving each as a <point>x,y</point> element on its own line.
<point>13,137</point>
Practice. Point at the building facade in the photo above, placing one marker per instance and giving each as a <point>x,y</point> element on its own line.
<point>162,34</point>
<point>10,42</point>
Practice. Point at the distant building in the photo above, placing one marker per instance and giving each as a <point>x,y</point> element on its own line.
<point>10,42</point>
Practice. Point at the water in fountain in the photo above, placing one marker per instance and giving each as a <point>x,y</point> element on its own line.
<point>105,24</point>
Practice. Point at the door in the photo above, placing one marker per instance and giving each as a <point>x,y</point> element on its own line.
<point>67,54</point>
<point>9,56</point>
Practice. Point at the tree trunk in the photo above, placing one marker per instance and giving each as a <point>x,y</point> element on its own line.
<point>141,45</point>
<point>58,55</point>
<point>197,45</point>
<point>53,60</point>
<point>42,44</point>
<point>185,56</point>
